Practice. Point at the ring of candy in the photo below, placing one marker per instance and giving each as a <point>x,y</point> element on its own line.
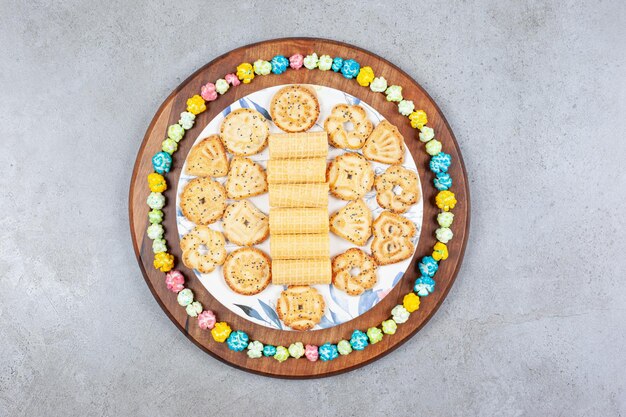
<point>238,340</point>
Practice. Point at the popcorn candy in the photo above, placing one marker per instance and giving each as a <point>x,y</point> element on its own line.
<point>365,77</point>
<point>157,183</point>
<point>411,302</point>
<point>220,331</point>
<point>196,105</point>
<point>245,72</point>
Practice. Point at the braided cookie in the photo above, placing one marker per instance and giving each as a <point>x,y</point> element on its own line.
<point>345,264</point>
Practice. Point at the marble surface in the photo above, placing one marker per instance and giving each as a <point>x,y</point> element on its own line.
<point>536,95</point>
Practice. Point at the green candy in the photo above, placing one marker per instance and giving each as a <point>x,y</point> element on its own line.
<point>169,145</point>
<point>389,327</point>
<point>433,147</point>
<point>262,67</point>
<point>282,354</point>
<point>394,93</point>
<point>159,245</point>
<point>255,350</point>
<point>344,347</point>
<point>296,350</point>
<point>311,61</point>
<point>187,120</point>
<point>175,132</point>
<point>445,219</point>
<point>406,107</point>
<point>194,309</point>
<point>444,234</point>
<point>375,335</point>
<point>379,85</point>
<point>156,201</point>
<point>155,231</point>
<point>325,63</point>
<point>426,134</point>
<point>155,216</point>
<point>185,297</point>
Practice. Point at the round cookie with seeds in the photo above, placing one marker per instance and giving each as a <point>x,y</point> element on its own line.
<point>203,249</point>
<point>244,132</point>
<point>336,124</point>
<point>300,307</point>
<point>354,271</point>
<point>244,224</point>
<point>295,108</point>
<point>350,176</point>
<point>247,271</point>
<point>203,200</point>
<point>397,189</point>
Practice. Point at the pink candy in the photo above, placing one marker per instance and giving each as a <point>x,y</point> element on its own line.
<point>310,351</point>
<point>232,80</point>
<point>206,320</point>
<point>208,92</point>
<point>175,281</point>
<point>295,62</point>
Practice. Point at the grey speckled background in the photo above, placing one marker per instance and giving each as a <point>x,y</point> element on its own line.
<point>536,322</point>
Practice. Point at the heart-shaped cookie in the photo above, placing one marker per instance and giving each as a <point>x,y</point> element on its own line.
<point>392,238</point>
<point>245,179</point>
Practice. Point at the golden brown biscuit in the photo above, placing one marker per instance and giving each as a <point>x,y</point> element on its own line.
<point>208,158</point>
<point>203,200</point>
<point>385,144</point>
<point>350,176</point>
<point>203,249</point>
<point>300,307</point>
<point>353,222</point>
<point>245,179</point>
<point>244,132</point>
<point>397,189</point>
<point>392,238</point>
<point>247,271</point>
<point>354,271</point>
<point>341,116</point>
<point>244,224</point>
<point>295,108</point>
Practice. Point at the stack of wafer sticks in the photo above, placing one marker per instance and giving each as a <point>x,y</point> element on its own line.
<point>298,192</point>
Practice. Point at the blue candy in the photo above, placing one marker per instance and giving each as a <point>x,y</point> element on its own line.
<point>440,162</point>
<point>269,350</point>
<point>359,340</point>
<point>337,64</point>
<point>350,68</point>
<point>328,352</point>
<point>443,181</point>
<point>237,341</point>
<point>162,162</point>
<point>279,64</point>
<point>424,286</point>
<point>428,266</point>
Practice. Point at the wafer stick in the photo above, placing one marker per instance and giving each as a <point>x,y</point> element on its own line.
<point>297,221</point>
<point>290,171</point>
<point>298,145</point>
<point>299,246</point>
<point>299,195</point>
<point>301,272</point>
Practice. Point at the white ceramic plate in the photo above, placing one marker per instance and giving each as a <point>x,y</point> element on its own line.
<point>340,307</point>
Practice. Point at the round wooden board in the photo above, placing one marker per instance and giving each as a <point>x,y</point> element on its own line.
<point>169,113</point>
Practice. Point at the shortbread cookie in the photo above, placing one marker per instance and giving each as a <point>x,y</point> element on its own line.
<point>300,307</point>
<point>397,189</point>
<point>353,222</point>
<point>208,158</point>
<point>203,200</point>
<point>392,238</point>
<point>350,176</point>
<point>244,224</point>
<point>295,108</point>
<point>297,221</point>
<point>299,195</point>
<point>203,249</point>
<point>344,266</point>
<point>300,246</point>
<point>298,145</point>
<point>301,271</point>
<point>385,144</point>
<point>290,171</point>
<point>247,271</point>
<point>244,132</point>
<point>245,179</point>
<point>335,126</point>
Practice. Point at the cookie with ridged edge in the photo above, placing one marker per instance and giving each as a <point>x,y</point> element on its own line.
<point>300,307</point>
<point>244,224</point>
<point>244,132</point>
<point>353,222</point>
<point>247,271</point>
<point>295,108</point>
<point>203,200</point>
<point>385,144</point>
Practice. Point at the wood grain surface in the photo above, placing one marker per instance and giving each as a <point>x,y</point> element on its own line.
<point>169,113</point>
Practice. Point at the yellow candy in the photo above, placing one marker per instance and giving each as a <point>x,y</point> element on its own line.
<point>365,77</point>
<point>163,261</point>
<point>157,183</point>
<point>440,251</point>
<point>245,73</point>
<point>411,302</point>
<point>220,332</point>
<point>196,105</point>
<point>445,200</point>
<point>418,119</point>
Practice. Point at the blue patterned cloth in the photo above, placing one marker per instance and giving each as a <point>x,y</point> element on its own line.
<point>424,286</point>
<point>328,352</point>
<point>269,350</point>
<point>428,266</point>
<point>162,162</point>
<point>337,64</point>
<point>359,340</point>
<point>443,181</point>
<point>237,341</point>
<point>279,64</point>
<point>350,68</point>
<point>440,162</point>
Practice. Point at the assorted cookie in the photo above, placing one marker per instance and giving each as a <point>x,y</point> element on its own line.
<point>247,271</point>
<point>350,176</point>
<point>353,222</point>
<point>244,132</point>
<point>203,249</point>
<point>208,158</point>
<point>300,307</point>
<point>336,125</point>
<point>393,236</point>
<point>244,224</point>
<point>245,179</point>
<point>385,144</point>
<point>397,189</point>
<point>295,108</point>
<point>203,200</point>
<point>354,271</point>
